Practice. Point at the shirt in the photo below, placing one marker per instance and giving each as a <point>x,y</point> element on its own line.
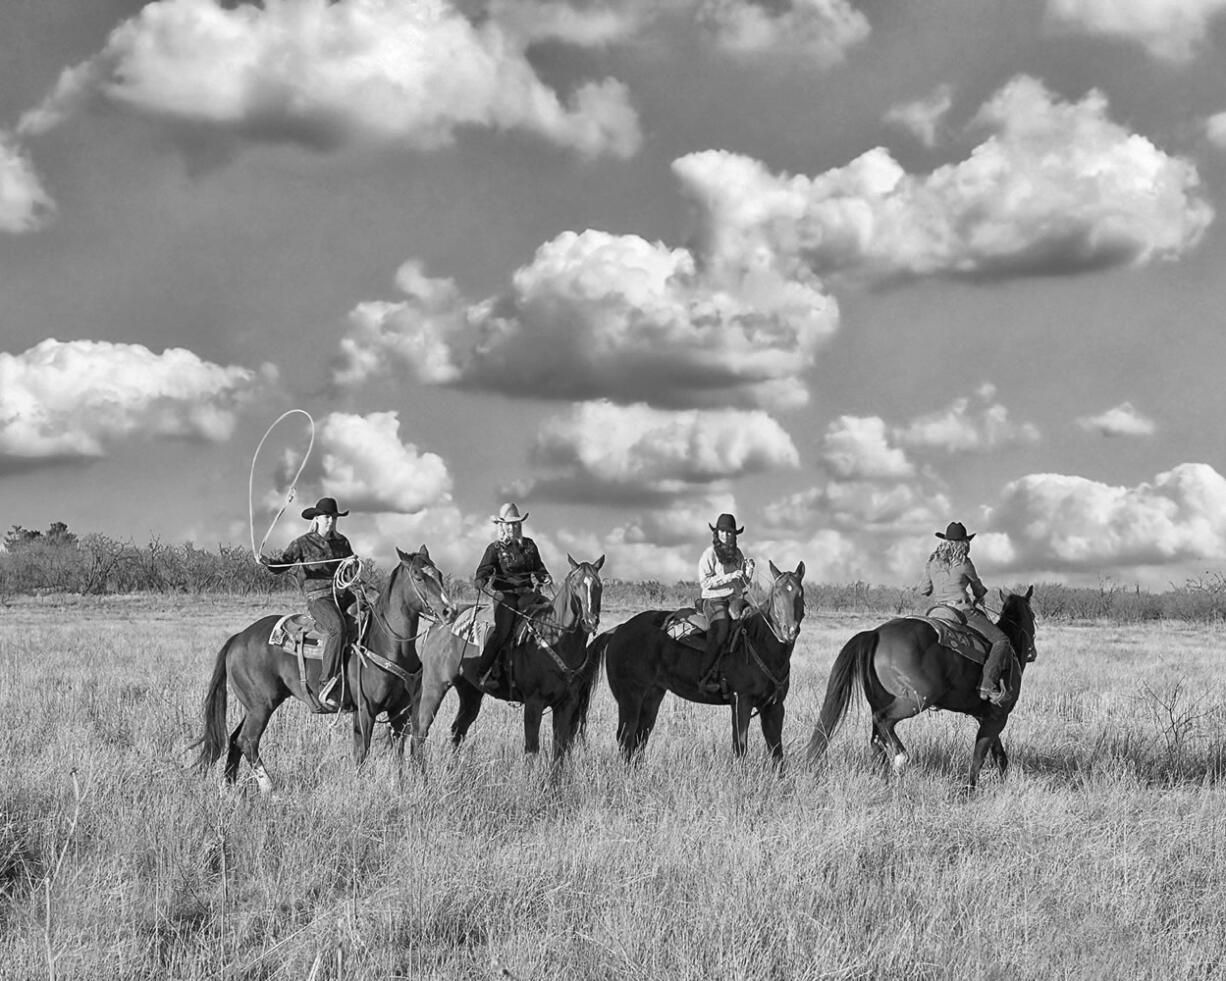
<point>721,580</point>
<point>948,584</point>
<point>510,565</point>
<point>314,550</point>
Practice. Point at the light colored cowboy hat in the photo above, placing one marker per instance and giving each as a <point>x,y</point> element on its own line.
<point>325,505</point>
<point>509,514</point>
<point>956,532</point>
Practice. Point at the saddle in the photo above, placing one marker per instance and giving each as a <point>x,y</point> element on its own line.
<point>687,626</point>
<point>474,624</point>
<point>298,634</point>
<point>955,634</point>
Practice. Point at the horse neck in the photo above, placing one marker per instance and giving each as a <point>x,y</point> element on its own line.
<point>564,620</point>
<point>760,633</point>
<point>387,610</point>
<point>1012,628</point>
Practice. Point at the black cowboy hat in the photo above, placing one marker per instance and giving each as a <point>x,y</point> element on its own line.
<point>325,505</point>
<point>726,522</point>
<point>956,532</point>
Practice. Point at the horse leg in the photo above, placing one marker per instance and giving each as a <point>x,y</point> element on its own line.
<point>648,712</point>
<point>470,705</point>
<point>989,733</point>
<point>998,754</point>
<point>234,754</point>
<point>741,712</point>
<point>432,691</point>
<point>771,719</point>
<point>628,714</point>
<point>533,711</point>
<point>565,719</point>
<point>363,729</point>
<point>885,720</point>
<point>251,730</point>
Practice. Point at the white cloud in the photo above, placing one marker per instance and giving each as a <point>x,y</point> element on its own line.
<point>324,74</point>
<point>72,401</point>
<point>858,447</point>
<point>636,452</point>
<point>1215,130</point>
<point>1168,29</point>
<point>1123,420</point>
<point>922,117</point>
<point>24,205</point>
<point>599,315</point>
<point>1056,188</point>
<point>857,504</point>
<point>1056,521</point>
<point>821,30</point>
<point>961,428</point>
<point>366,466</point>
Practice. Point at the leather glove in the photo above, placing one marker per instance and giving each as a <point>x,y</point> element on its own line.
<point>265,560</point>
<point>749,569</point>
<point>498,595</point>
<point>545,580</point>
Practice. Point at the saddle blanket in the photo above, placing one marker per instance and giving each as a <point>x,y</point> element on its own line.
<point>684,623</point>
<point>958,637</point>
<point>474,624</point>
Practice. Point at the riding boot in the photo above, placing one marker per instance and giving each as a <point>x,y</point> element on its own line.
<point>708,681</point>
<point>991,687</point>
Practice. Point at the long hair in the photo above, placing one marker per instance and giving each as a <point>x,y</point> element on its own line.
<point>950,554</point>
<point>725,553</point>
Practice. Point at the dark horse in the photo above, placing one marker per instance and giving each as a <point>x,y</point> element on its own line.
<point>903,671</point>
<point>644,662</point>
<point>551,669</point>
<point>381,675</point>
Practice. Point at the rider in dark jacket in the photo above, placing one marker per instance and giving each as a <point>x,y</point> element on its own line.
<point>314,558</point>
<point>509,572</point>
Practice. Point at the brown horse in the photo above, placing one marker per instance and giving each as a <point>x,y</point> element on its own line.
<point>381,674</point>
<point>643,663</point>
<point>903,671</point>
<point>551,669</point>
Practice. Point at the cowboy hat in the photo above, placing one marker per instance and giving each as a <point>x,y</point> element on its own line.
<point>325,505</point>
<point>956,532</point>
<point>726,522</point>
<point>509,514</point>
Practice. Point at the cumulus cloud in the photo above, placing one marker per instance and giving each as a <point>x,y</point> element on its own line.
<point>1167,29</point>
<point>923,117</point>
<point>858,447</point>
<point>596,315</point>
<point>24,205</point>
<point>1215,130</point>
<point>365,465</point>
<point>820,30</point>
<point>323,74</point>
<point>1123,420</point>
<point>1057,521</point>
<point>962,427</point>
<point>72,401</point>
<point>1057,187</point>
<point>856,504</point>
<point>635,453</point>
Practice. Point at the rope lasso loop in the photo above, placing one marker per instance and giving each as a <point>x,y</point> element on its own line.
<point>289,497</point>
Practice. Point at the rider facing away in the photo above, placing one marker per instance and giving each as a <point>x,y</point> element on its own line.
<point>947,577</point>
<point>507,573</point>
<point>314,558</point>
<point>723,574</point>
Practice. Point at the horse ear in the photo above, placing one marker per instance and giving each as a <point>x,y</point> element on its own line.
<point>598,563</point>
<point>800,570</point>
<point>403,556</point>
<point>1030,591</point>
<point>425,552</point>
<point>573,563</point>
<point>1003,597</point>
<point>774,569</point>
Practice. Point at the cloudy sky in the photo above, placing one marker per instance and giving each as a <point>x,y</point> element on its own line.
<point>850,269</point>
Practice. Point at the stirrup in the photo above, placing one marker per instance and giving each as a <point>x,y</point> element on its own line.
<point>325,696</point>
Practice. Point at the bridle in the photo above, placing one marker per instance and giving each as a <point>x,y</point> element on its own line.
<point>426,610</point>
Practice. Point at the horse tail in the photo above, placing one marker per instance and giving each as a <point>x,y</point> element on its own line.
<point>852,665</point>
<point>587,685</point>
<point>214,740</point>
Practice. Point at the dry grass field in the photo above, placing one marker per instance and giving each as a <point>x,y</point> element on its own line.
<point>1103,855</point>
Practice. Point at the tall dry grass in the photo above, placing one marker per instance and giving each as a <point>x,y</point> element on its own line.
<point>1103,855</point>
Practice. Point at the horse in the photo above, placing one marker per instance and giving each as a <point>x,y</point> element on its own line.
<point>643,663</point>
<point>549,669</point>
<point>382,674</point>
<point>903,671</point>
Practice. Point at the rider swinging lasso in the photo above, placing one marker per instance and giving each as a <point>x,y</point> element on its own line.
<point>314,558</point>
<point>509,573</point>
<point>723,574</point>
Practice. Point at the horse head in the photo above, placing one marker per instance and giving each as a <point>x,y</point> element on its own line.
<point>1017,621</point>
<point>785,605</point>
<point>426,595</point>
<point>580,593</point>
